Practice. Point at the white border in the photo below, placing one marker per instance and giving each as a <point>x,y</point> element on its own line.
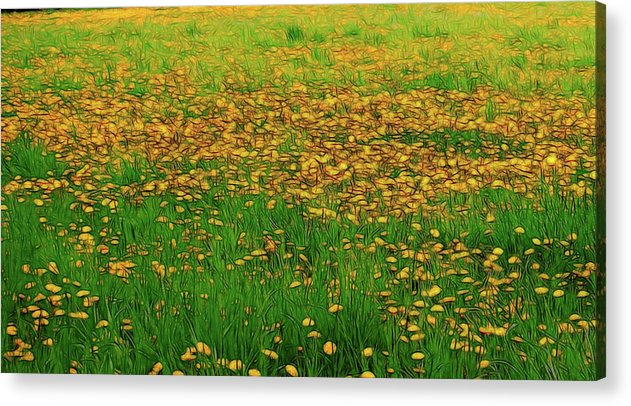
<point>18,390</point>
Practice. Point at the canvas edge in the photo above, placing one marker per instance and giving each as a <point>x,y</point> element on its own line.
<point>600,357</point>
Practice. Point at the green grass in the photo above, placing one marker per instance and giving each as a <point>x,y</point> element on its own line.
<point>294,34</point>
<point>28,159</point>
<point>220,320</point>
<point>144,46</point>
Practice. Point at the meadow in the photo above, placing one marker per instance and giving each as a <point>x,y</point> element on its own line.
<point>391,191</point>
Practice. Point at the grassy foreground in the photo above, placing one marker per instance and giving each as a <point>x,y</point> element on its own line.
<point>241,194</point>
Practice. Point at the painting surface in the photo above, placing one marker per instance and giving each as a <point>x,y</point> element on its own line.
<point>391,191</point>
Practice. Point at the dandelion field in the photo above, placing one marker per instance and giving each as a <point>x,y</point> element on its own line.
<point>391,191</point>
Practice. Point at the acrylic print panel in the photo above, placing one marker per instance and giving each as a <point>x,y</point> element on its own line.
<point>390,191</point>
